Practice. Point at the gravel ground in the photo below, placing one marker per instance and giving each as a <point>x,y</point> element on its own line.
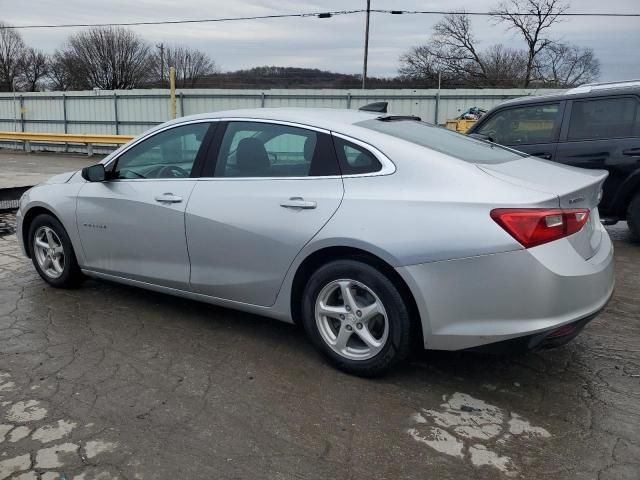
<point>109,382</point>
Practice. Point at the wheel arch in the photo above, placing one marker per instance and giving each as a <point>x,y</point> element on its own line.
<point>626,192</point>
<point>324,255</point>
<point>27,220</point>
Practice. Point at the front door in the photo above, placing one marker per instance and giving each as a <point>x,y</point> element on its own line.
<point>531,129</point>
<point>274,186</point>
<point>132,225</point>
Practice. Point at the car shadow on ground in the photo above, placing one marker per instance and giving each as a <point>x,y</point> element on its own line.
<point>270,335</point>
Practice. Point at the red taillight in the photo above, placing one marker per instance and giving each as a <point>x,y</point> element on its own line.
<point>535,226</point>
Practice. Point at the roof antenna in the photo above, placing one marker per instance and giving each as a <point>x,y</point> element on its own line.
<point>378,107</point>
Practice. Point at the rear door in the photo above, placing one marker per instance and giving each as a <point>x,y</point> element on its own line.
<point>271,188</point>
<point>531,129</point>
<point>603,133</point>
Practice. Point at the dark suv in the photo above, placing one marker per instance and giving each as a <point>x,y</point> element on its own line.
<point>592,126</point>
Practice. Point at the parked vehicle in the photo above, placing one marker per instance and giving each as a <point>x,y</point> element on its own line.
<point>593,126</point>
<point>373,231</point>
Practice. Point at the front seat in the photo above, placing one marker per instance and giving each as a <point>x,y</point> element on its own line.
<point>252,159</point>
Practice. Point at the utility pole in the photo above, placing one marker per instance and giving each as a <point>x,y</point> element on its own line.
<point>161,48</point>
<point>172,91</point>
<point>366,46</point>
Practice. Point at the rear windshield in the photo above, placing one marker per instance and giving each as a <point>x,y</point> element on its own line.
<point>444,141</point>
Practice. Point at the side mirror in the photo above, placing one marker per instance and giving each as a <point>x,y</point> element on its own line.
<point>94,173</point>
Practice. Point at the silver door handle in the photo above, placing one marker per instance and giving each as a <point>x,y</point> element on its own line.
<point>298,202</point>
<point>168,198</point>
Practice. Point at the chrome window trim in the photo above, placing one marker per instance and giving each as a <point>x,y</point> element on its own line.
<point>117,180</point>
<point>388,167</point>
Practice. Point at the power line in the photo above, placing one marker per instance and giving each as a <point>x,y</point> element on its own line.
<point>516,14</point>
<point>315,14</point>
<point>173,22</point>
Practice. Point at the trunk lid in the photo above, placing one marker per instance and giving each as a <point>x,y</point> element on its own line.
<point>574,187</point>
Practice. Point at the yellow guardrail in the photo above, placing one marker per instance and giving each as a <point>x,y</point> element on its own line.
<point>87,139</point>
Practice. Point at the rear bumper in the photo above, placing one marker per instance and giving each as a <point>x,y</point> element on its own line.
<point>524,295</point>
<point>553,338</point>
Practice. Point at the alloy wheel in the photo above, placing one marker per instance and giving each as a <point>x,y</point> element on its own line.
<point>49,252</point>
<point>351,319</point>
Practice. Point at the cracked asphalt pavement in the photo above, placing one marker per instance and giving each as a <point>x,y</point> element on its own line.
<point>112,382</point>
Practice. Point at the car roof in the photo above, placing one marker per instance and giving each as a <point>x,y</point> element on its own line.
<point>584,91</point>
<point>334,119</point>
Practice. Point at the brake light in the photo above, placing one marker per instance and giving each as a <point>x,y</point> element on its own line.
<point>535,226</point>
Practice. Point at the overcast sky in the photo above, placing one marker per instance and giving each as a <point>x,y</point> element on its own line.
<point>332,44</point>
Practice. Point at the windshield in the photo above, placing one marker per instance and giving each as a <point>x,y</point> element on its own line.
<point>444,141</point>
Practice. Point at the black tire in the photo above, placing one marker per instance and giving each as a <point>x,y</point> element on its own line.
<point>71,275</point>
<point>633,217</point>
<point>398,341</point>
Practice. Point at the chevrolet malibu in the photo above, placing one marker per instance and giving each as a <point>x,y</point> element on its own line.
<point>374,232</point>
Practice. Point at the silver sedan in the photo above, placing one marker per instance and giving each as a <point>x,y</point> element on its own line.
<point>375,232</point>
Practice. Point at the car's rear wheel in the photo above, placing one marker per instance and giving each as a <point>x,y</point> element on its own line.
<point>52,253</point>
<point>357,317</point>
<point>633,217</point>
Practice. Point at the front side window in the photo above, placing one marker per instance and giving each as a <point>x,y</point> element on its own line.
<point>260,149</point>
<point>523,125</point>
<point>604,118</point>
<point>168,154</point>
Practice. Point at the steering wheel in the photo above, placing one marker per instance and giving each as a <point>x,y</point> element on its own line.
<point>173,171</point>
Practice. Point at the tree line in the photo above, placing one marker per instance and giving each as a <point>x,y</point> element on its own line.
<point>107,58</point>
<point>454,56</point>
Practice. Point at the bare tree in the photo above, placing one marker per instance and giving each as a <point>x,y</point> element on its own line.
<point>110,57</point>
<point>419,63</point>
<point>191,65</point>
<point>532,19</point>
<point>34,67</point>
<point>503,67</point>
<point>455,48</point>
<point>66,72</point>
<point>564,66</point>
<point>454,52</point>
<point>11,52</point>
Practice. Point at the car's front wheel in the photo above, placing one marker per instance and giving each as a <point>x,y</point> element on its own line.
<point>52,253</point>
<point>357,317</point>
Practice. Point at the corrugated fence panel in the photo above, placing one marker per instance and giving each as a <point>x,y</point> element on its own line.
<point>90,114</point>
<point>9,112</point>
<point>150,108</point>
<point>131,112</point>
<point>202,101</point>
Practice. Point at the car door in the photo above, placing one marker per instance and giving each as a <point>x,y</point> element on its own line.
<point>601,133</point>
<point>272,187</point>
<point>531,129</point>
<point>132,224</point>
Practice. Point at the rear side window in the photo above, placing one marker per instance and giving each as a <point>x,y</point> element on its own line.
<point>604,118</point>
<point>261,149</point>
<point>355,159</point>
<point>444,141</point>
<point>523,125</point>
